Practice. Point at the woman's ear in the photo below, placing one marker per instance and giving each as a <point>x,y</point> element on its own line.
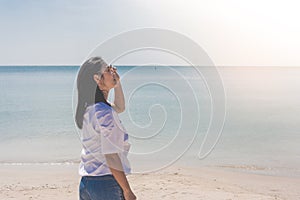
<point>99,81</point>
<point>96,78</point>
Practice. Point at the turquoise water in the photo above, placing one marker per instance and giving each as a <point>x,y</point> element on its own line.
<point>167,109</point>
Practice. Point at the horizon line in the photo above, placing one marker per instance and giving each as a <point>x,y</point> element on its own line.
<point>130,65</point>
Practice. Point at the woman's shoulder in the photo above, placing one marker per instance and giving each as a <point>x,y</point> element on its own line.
<point>103,112</point>
<point>101,106</point>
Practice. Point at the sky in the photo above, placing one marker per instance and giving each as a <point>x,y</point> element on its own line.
<point>232,32</point>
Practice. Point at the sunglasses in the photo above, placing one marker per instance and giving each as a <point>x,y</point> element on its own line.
<point>110,68</point>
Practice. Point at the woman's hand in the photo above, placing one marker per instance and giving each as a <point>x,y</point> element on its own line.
<point>119,100</point>
<point>115,74</point>
<point>129,195</point>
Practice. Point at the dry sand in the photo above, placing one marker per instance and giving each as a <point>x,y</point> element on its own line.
<point>61,182</point>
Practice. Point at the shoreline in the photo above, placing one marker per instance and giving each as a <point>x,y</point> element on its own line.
<point>52,181</point>
<point>242,168</point>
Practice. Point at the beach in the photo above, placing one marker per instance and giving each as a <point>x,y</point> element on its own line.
<point>256,157</point>
<point>202,98</point>
<point>61,181</point>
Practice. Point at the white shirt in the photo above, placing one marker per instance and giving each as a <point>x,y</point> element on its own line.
<point>102,133</point>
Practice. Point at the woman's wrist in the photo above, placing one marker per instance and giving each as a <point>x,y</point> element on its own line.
<point>127,190</point>
<point>118,84</point>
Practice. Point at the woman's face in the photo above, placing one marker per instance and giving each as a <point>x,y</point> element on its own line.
<point>108,78</point>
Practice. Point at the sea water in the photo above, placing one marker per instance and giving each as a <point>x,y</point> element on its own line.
<point>168,113</point>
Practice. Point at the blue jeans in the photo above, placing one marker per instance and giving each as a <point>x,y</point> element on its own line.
<point>100,188</point>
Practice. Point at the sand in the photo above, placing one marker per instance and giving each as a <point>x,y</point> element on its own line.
<point>210,183</point>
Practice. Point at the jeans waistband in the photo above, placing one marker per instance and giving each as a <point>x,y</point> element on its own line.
<point>104,177</point>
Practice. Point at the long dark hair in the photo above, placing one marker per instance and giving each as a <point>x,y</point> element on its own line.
<point>88,91</point>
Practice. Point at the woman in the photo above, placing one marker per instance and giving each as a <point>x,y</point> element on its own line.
<point>104,164</point>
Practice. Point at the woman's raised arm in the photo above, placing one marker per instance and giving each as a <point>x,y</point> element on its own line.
<point>119,101</point>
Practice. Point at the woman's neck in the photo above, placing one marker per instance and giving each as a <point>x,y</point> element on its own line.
<point>105,93</point>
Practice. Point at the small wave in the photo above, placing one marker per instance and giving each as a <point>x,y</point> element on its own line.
<point>264,170</point>
<point>39,163</point>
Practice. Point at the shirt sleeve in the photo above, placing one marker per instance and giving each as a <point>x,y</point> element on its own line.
<point>111,138</point>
